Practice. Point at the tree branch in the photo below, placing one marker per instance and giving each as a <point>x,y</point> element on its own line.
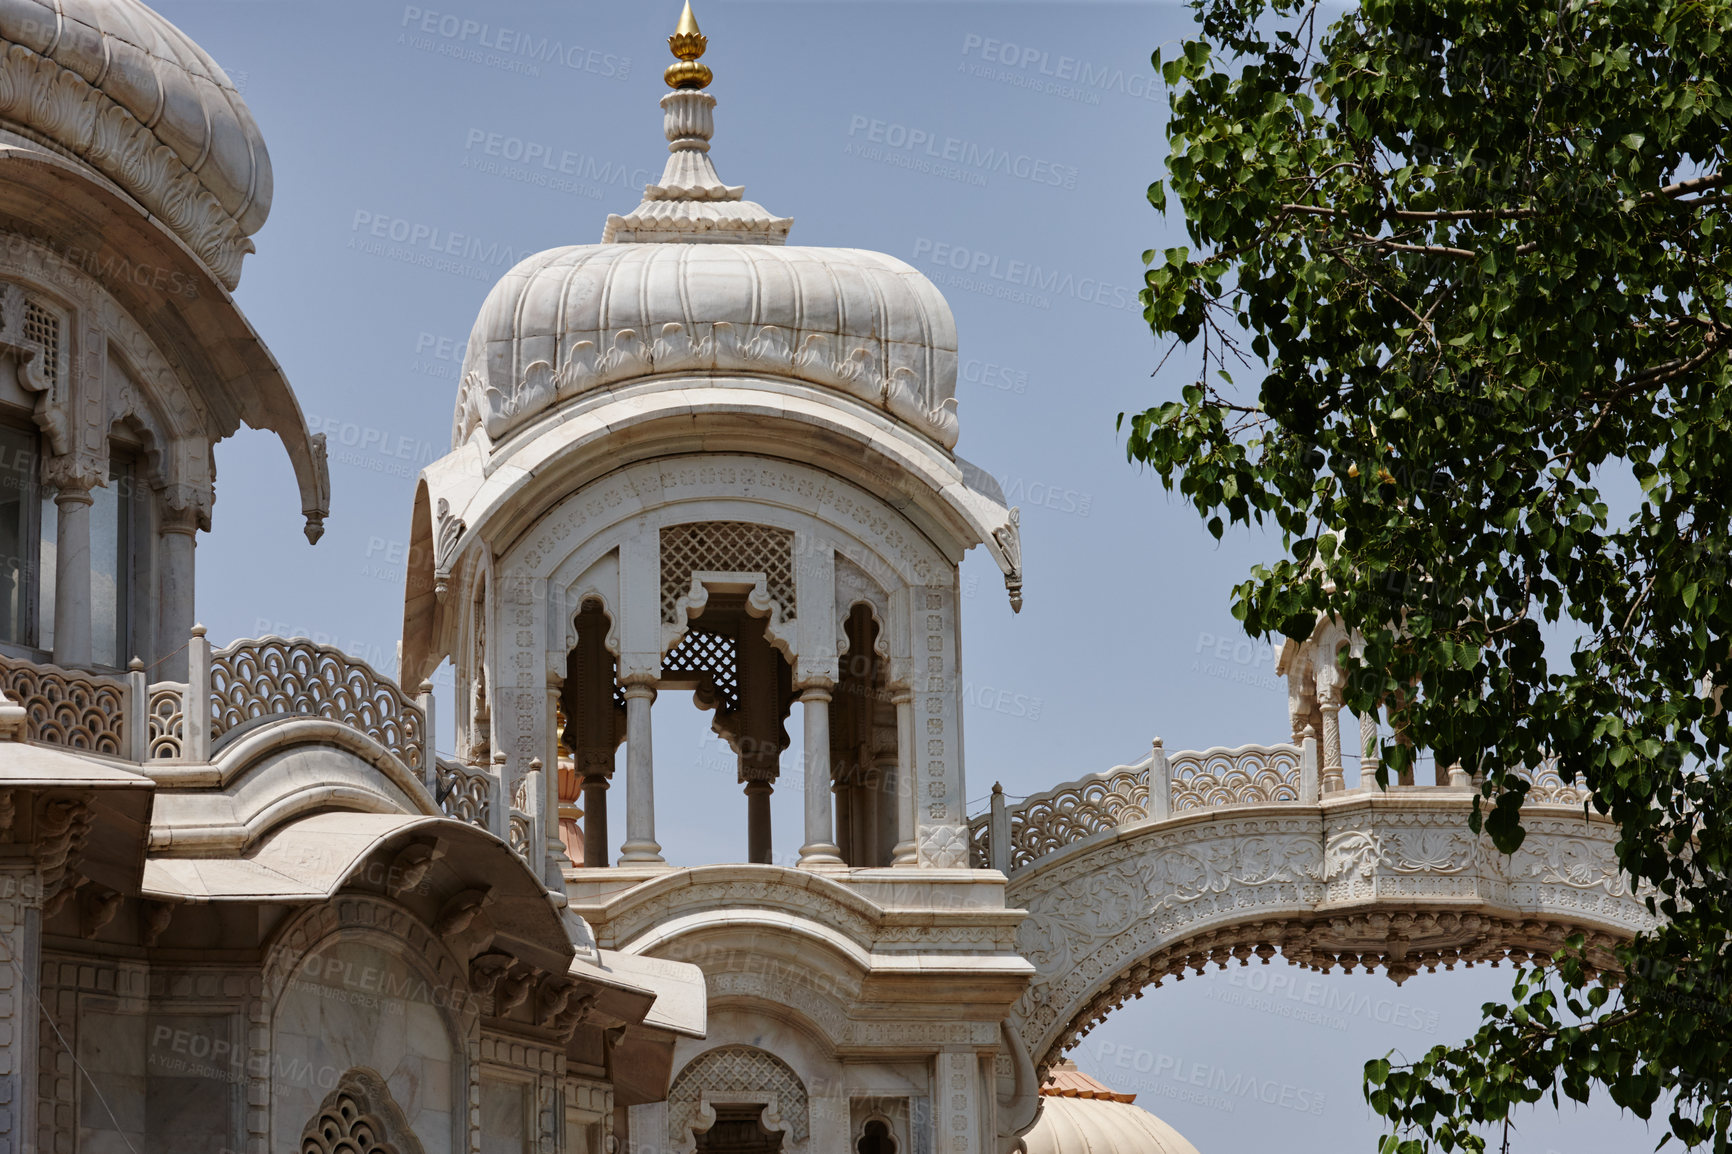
<point>1697,184</point>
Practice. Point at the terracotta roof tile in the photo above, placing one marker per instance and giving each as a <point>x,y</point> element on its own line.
<point>1066,1081</point>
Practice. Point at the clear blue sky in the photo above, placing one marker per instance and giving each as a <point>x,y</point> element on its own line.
<point>975,140</point>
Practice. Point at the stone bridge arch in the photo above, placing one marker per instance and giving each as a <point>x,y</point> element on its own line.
<point>1182,860</point>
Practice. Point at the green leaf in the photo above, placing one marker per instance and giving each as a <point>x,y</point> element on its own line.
<point>1453,249</point>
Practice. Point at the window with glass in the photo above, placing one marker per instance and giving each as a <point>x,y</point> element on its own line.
<point>20,510</point>
<point>29,526</point>
<point>113,514</point>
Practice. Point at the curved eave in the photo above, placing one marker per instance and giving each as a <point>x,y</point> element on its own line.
<point>189,315</point>
<point>498,497</point>
<point>308,860</point>
<point>120,803</point>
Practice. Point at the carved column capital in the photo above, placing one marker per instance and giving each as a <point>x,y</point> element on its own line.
<point>185,518</point>
<point>73,477</point>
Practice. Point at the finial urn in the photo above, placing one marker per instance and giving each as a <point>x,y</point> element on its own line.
<point>687,44</point>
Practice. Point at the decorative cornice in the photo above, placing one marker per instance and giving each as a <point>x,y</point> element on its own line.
<point>58,108</point>
<point>840,362</point>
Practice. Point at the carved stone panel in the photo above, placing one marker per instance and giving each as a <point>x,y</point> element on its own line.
<point>736,1074</point>
<point>1402,888</point>
<point>359,1117</point>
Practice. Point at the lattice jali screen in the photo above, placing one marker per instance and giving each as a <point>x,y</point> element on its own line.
<point>42,327</point>
<point>742,1073</point>
<point>715,655</point>
<point>726,547</point>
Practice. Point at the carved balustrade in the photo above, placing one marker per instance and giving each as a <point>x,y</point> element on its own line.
<point>1546,786</point>
<point>1069,812</point>
<point>518,834</point>
<point>465,792</point>
<point>165,713</point>
<point>523,817</point>
<point>1249,775</point>
<point>131,718</point>
<point>1011,837</point>
<point>278,677</point>
<point>1158,787</point>
<point>69,707</point>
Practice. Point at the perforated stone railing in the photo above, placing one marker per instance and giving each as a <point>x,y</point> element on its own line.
<point>465,792</point>
<point>1009,837</point>
<point>278,677</point>
<point>1249,775</point>
<point>1547,786</point>
<point>230,689</point>
<point>68,707</point>
<point>130,718</point>
<point>1070,812</point>
<point>166,716</point>
<point>525,805</point>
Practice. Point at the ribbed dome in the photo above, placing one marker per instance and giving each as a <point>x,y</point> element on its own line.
<point>697,279</point>
<point>1079,1115</point>
<point>114,84</point>
<point>1093,1126</point>
<point>570,320</point>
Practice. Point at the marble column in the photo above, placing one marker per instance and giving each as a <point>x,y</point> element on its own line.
<point>72,639</point>
<point>1329,699</point>
<point>907,789</point>
<point>555,856</point>
<point>591,727</point>
<point>640,811</point>
<point>595,820</point>
<point>820,850</point>
<point>177,539</point>
<point>759,737</point>
<point>758,821</point>
<point>1370,742</point>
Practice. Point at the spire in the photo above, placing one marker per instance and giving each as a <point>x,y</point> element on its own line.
<point>691,204</point>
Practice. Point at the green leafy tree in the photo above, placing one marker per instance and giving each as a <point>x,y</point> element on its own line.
<point>1477,254</point>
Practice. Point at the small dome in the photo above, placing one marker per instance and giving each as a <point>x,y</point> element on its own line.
<point>574,319</point>
<point>698,279</point>
<point>1079,1115</point>
<point>112,83</point>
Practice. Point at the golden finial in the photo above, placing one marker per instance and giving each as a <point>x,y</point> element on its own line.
<point>687,44</point>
